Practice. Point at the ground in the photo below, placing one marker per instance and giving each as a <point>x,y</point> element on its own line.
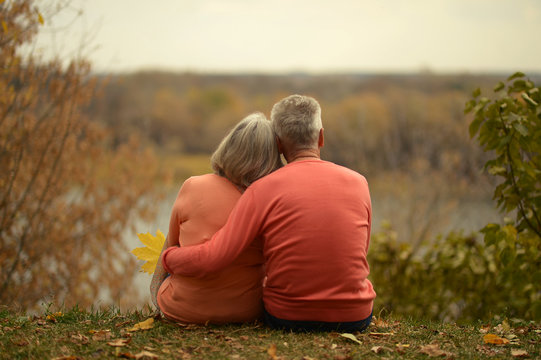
<point>107,334</point>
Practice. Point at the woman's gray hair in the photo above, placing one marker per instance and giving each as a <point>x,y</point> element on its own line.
<point>297,119</point>
<point>248,152</point>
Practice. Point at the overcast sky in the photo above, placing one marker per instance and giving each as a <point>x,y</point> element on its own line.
<point>303,35</point>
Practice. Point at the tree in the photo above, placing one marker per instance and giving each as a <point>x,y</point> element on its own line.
<point>509,127</point>
<point>66,197</point>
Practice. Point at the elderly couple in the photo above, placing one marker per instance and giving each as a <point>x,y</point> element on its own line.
<point>256,239</point>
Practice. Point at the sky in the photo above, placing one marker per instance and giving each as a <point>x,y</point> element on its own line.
<point>312,36</point>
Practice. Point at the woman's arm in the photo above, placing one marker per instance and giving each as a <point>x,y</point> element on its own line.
<point>158,277</point>
<point>172,240</point>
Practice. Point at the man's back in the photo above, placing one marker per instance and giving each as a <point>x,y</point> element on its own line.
<point>315,231</point>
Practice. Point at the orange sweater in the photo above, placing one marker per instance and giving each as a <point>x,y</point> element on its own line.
<point>313,219</point>
<point>234,293</point>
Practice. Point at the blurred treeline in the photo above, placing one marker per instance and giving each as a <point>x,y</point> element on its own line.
<point>373,123</point>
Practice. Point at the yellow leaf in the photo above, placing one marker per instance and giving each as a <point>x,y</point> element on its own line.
<point>149,266</point>
<point>153,242</point>
<point>143,325</point>
<point>351,337</point>
<point>5,26</point>
<point>151,252</point>
<point>144,253</point>
<point>272,351</point>
<point>40,19</point>
<point>494,339</point>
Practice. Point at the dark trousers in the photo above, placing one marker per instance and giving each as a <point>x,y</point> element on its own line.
<point>308,326</point>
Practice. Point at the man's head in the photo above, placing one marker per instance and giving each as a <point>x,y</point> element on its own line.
<point>296,120</point>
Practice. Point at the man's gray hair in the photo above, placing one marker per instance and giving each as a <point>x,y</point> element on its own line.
<point>296,119</point>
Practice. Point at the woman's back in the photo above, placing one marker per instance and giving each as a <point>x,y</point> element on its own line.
<point>231,295</point>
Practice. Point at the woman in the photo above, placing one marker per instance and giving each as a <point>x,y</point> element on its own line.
<point>202,207</point>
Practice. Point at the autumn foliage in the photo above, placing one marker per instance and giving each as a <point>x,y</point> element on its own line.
<point>66,196</point>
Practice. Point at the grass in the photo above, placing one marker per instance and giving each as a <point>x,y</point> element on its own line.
<point>105,334</point>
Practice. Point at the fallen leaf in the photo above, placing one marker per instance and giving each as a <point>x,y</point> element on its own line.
<point>519,353</point>
<point>146,355</point>
<point>380,349</point>
<point>100,335</point>
<point>513,339</point>
<point>494,339</point>
<point>378,322</point>
<point>351,337</point>
<point>143,325</point>
<point>503,328</point>
<point>434,350</point>
<point>378,334</point>
<point>484,329</point>
<point>126,355</point>
<point>342,357</point>
<point>401,348</point>
<point>124,323</point>
<point>119,342</point>
<point>272,351</point>
<point>78,338</point>
<point>151,251</point>
<point>19,342</point>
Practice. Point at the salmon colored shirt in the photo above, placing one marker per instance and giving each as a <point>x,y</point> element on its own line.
<point>232,294</point>
<point>313,220</point>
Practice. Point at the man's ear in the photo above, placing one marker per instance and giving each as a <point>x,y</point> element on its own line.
<point>320,140</point>
<point>280,146</point>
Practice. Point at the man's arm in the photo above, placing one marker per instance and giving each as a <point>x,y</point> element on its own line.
<point>226,245</point>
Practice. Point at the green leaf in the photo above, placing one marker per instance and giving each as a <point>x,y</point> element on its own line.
<point>523,130</point>
<point>476,92</point>
<point>518,74</point>
<point>474,126</point>
<point>497,170</point>
<point>498,87</point>
<point>469,106</point>
<point>528,99</point>
<point>506,256</point>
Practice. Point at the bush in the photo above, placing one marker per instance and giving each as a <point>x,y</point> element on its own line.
<point>497,271</point>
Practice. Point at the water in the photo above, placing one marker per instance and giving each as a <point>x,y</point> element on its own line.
<point>409,216</point>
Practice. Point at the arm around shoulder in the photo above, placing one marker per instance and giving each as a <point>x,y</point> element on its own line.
<point>224,247</point>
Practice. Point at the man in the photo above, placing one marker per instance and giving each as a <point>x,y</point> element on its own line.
<point>312,219</point>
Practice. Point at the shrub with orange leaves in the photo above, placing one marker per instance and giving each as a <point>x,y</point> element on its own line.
<point>66,196</point>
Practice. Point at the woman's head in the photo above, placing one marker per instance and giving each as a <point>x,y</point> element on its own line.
<point>248,152</point>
